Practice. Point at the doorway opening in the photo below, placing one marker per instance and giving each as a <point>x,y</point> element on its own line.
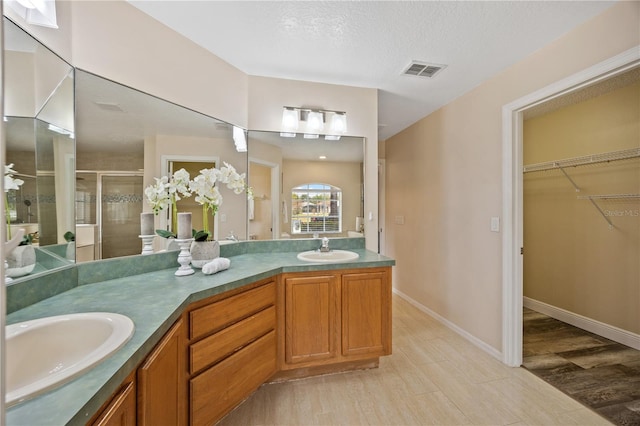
<point>263,212</point>
<point>512,246</point>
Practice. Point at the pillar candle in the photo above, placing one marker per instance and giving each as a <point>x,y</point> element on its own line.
<point>184,226</point>
<point>146,223</point>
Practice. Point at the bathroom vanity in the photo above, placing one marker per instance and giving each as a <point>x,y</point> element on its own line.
<point>223,348</point>
<point>203,344</point>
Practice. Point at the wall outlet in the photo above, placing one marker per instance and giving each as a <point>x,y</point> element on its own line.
<point>399,220</point>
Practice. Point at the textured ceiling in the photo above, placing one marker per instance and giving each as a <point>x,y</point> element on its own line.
<point>369,44</point>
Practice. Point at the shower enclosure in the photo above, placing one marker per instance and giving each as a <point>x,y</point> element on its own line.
<point>111,202</point>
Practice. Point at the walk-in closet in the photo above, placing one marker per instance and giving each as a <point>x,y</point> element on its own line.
<point>581,264</point>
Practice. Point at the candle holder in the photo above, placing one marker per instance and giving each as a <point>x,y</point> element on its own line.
<point>147,244</point>
<point>7,279</point>
<point>184,258</point>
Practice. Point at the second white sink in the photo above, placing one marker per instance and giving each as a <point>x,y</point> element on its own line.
<point>44,353</point>
<point>332,256</point>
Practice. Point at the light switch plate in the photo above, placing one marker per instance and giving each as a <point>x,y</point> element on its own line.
<point>495,224</point>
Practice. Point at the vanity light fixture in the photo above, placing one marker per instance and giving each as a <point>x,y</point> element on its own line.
<point>314,122</point>
<point>290,119</point>
<point>240,139</point>
<point>36,12</point>
<point>339,123</point>
<point>61,131</point>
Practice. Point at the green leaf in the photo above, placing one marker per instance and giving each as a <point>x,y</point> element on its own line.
<point>26,240</point>
<point>200,235</point>
<point>165,234</point>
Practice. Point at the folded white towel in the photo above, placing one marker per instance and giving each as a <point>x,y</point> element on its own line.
<point>216,265</point>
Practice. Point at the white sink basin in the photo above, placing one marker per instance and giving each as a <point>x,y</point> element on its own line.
<point>332,256</point>
<point>44,353</point>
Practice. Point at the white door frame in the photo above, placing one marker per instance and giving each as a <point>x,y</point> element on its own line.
<point>512,281</point>
<point>275,194</point>
<point>382,242</point>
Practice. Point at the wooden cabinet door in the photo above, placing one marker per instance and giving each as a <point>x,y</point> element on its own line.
<point>121,411</point>
<point>162,382</point>
<point>311,318</point>
<point>366,314</point>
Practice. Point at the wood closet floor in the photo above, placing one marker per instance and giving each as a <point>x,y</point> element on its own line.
<point>434,377</point>
<point>601,374</point>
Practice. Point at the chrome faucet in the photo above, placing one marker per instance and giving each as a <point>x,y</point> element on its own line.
<point>325,245</point>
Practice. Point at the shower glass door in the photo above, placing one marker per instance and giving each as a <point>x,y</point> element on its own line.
<point>121,205</point>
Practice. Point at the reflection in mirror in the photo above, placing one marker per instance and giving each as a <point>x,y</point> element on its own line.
<point>305,187</point>
<point>125,139</point>
<point>39,128</point>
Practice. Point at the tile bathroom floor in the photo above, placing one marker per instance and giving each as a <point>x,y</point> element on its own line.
<point>597,372</point>
<point>434,377</point>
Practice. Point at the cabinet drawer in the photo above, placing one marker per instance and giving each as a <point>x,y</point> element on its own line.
<point>215,347</point>
<point>217,315</point>
<point>219,389</point>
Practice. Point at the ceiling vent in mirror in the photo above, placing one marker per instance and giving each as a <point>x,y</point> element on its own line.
<point>423,69</point>
<point>109,106</point>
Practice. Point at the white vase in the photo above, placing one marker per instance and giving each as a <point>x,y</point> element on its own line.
<point>70,253</point>
<point>203,252</point>
<point>21,261</point>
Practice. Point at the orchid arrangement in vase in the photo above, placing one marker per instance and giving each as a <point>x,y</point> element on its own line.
<point>167,191</point>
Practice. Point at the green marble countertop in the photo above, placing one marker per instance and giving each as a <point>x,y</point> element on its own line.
<point>154,301</point>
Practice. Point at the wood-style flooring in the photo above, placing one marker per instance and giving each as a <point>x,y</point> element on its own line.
<point>601,374</point>
<point>434,377</point>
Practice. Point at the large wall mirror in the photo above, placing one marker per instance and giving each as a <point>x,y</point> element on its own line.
<point>125,139</point>
<point>39,123</point>
<point>305,188</point>
<point>87,173</point>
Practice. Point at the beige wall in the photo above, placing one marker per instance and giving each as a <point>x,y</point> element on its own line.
<point>444,176</point>
<point>19,76</point>
<point>117,41</point>
<point>573,260</point>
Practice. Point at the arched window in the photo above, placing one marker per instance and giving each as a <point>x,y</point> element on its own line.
<point>316,208</point>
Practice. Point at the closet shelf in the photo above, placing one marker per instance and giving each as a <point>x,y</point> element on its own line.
<point>609,197</point>
<point>581,161</point>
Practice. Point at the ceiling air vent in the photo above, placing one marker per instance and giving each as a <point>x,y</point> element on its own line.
<point>423,69</point>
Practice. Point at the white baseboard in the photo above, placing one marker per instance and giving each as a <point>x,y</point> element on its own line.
<point>601,329</point>
<point>471,338</point>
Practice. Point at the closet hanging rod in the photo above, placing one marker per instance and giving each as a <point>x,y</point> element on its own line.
<point>587,159</point>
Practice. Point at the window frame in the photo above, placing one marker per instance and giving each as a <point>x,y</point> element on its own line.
<point>312,190</point>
